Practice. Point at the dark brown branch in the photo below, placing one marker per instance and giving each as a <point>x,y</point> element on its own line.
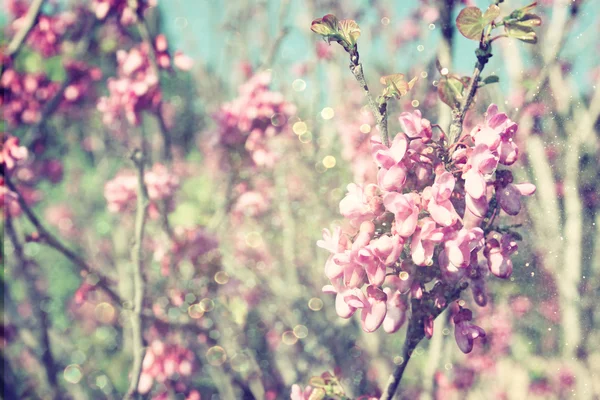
<point>52,241</point>
<point>36,299</point>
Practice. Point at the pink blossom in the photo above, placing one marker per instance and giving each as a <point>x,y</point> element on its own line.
<point>498,134</point>
<point>396,311</point>
<point>360,204</point>
<point>299,394</point>
<point>392,174</point>
<point>498,255</point>
<point>464,331</point>
<point>415,126</point>
<point>374,310</point>
<point>424,240</point>
<point>405,210</point>
<point>437,198</point>
<point>480,165</point>
<point>509,194</point>
<point>11,154</point>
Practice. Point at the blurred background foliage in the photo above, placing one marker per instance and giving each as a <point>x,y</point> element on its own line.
<point>264,323</point>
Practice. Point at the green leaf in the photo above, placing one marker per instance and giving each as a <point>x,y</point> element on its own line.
<point>490,79</point>
<point>396,86</point>
<point>520,12</point>
<point>349,30</point>
<point>521,32</point>
<point>317,382</point>
<point>326,26</point>
<point>530,20</point>
<point>471,22</point>
<point>491,14</point>
<point>451,90</point>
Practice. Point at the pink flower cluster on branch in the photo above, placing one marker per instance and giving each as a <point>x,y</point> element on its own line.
<point>127,12</point>
<point>45,36</point>
<point>429,219</point>
<point>121,192</point>
<point>255,116</point>
<point>163,361</point>
<point>24,95</point>
<point>136,87</point>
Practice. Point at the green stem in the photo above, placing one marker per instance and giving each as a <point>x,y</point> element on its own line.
<point>138,279</point>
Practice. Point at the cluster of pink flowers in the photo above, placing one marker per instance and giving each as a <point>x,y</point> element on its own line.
<point>137,88</point>
<point>11,152</point>
<point>121,192</point>
<point>134,90</point>
<point>429,218</point>
<point>24,95</point>
<point>257,114</point>
<point>81,79</point>
<point>127,12</point>
<point>163,361</point>
<point>45,36</point>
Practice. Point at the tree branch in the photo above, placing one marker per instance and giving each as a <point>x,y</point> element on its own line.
<point>55,243</point>
<point>484,52</point>
<point>138,279</point>
<point>27,24</point>
<point>36,299</point>
<point>379,111</point>
<point>164,130</point>
<point>414,334</point>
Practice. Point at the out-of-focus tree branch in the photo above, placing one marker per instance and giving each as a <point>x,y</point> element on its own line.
<point>27,23</point>
<point>138,278</point>
<point>36,298</point>
<point>48,238</point>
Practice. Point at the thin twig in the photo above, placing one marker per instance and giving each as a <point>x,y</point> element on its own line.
<point>138,279</point>
<point>52,241</point>
<point>483,55</point>
<point>164,130</point>
<point>379,111</point>
<point>27,24</point>
<point>36,299</point>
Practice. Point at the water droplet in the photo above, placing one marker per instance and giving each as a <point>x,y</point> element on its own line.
<point>404,275</point>
<point>385,21</point>
<point>289,338</point>
<point>431,27</point>
<point>444,71</point>
<point>420,47</point>
<point>299,127</point>
<point>298,85</point>
<point>415,103</point>
<point>216,355</point>
<point>300,331</point>
<point>329,161</point>
<point>424,74</point>
<point>221,277</point>
<point>398,360</point>
<point>315,304</point>
<point>207,304</point>
<point>327,113</point>
<point>365,128</point>
<point>72,373</point>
